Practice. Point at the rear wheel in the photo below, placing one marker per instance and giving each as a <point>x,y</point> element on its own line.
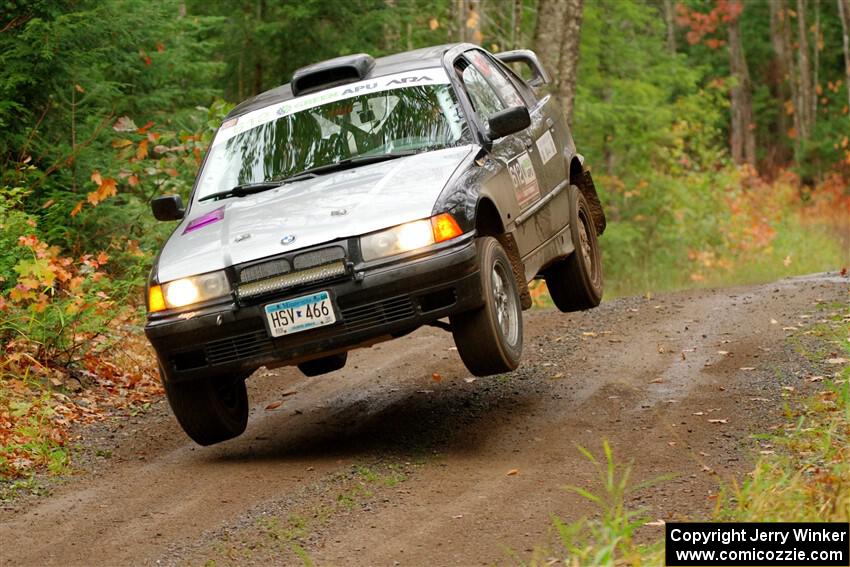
<point>324,365</point>
<point>209,410</point>
<point>575,283</point>
<point>489,339</point>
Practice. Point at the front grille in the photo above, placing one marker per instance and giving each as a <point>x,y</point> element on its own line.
<point>238,347</point>
<point>264,270</point>
<point>363,317</point>
<point>318,257</point>
<point>301,261</point>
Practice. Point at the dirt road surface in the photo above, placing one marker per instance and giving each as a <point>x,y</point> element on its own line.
<point>402,458</point>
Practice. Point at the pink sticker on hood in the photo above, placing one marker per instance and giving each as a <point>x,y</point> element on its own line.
<point>204,220</point>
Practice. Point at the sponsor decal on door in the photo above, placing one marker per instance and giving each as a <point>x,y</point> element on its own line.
<point>524,180</point>
<point>546,146</point>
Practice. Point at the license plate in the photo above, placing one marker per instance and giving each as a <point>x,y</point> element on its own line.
<point>300,314</point>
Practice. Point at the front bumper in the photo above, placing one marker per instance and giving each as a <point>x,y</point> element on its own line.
<point>379,304</point>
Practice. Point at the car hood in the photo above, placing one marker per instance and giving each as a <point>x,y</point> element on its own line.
<point>325,208</point>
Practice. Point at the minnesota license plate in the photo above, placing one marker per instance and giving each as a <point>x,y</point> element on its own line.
<point>300,314</point>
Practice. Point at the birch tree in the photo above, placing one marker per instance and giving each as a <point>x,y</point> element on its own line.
<point>557,38</point>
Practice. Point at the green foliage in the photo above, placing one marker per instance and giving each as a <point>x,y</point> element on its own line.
<point>13,223</point>
<point>626,106</point>
<point>608,539</point>
<point>33,439</point>
<point>653,125</point>
<point>264,42</point>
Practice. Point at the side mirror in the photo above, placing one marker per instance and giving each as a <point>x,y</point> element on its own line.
<point>167,208</point>
<point>507,122</point>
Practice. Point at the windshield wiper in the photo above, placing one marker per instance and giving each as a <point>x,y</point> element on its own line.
<point>244,189</point>
<point>349,163</point>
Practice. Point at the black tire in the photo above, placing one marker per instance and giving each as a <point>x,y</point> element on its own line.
<point>575,283</point>
<point>323,365</point>
<point>489,339</point>
<point>210,410</point>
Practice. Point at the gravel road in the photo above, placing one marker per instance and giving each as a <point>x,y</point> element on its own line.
<point>402,458</point>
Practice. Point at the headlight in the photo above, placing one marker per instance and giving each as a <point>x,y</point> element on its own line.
<point>409,236</point>
<point>186,291</point>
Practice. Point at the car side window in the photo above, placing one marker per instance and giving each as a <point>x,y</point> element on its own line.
<point>526,91</point>
<point>505,89</point>
<point>484,99</point>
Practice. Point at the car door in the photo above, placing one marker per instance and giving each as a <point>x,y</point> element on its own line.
<point>490,91</point>
<point>542,130</point>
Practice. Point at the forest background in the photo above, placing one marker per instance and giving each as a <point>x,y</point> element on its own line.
<point>717,131</point>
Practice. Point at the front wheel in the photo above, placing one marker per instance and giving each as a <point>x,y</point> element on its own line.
<point>575,283</point>
<point>489,339</point>
<point>209,410</point>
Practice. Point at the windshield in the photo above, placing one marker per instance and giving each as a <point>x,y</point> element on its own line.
<point>401,113</point>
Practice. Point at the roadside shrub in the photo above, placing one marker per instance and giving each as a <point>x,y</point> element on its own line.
<point>715,228</point>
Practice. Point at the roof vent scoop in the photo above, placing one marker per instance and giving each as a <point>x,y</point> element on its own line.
<point>330,73</point>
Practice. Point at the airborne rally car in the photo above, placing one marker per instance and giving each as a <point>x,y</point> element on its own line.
<point>362,200</point>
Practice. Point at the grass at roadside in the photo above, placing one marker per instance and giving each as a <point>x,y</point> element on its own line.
<point>717,229</point>
<point>806,477</point>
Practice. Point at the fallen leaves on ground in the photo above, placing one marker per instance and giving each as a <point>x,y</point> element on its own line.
<point>37,414</point>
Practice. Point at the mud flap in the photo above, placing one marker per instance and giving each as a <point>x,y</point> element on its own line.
<point>509,244</point>
<point>588,189</point>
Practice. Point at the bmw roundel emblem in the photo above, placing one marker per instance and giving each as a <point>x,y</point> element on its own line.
<point>287,239</point>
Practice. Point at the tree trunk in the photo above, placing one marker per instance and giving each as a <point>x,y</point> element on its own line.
<point>817,32</point>
<point>844,12</point>
<point>547,34</point>
<point>258,61</point>
<point>806,87</point>
<point>779,82</point>
<point>516,25</point>
<point>473,21</point>
<point>391,26</point>
<point>784,22</point>
<point>460,19</point>
<point>742,138</point>
<point>557,37</point>
<point>670,21</point>
<point>568,57</point>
